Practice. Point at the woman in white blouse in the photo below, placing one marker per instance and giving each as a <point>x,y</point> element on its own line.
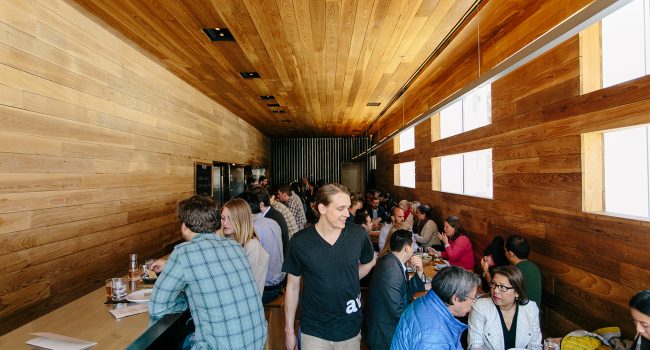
<point>507,319</point>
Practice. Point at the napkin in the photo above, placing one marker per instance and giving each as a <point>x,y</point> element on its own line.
<point>51,341</point>
<point>129,310</point>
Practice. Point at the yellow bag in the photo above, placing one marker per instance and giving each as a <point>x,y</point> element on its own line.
<point>583,340</point>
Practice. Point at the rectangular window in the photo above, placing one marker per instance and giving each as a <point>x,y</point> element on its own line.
<point>470,112</point>
<point>405,174</point>
<point>626,171</point>
<point>466,173</point>
<point>624,49</point>
<point>618,159</point>
<point>407,139</point>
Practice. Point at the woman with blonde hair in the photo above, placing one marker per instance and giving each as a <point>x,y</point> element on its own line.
<point>237,224</point>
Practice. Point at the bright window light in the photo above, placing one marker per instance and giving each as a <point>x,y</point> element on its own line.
<point>451,120</point>
<point>625,49</point>
<point>467,173</point>
<point>407,139</point>
<point>451,173</point>
<point>477,170</point>
<point>626,171</point>
<point>477,108</point>
<point>469,112</point>
<point>407,174</point>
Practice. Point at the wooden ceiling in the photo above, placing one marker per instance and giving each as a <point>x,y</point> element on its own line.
<point>323,60</point>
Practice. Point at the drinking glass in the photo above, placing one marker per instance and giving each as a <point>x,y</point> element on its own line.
<point>118,289</point>
<point>109,288</point>
<point>550,344</point>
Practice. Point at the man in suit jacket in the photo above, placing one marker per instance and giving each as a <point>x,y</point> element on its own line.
<point>271,213</point>
<point>391,291</point>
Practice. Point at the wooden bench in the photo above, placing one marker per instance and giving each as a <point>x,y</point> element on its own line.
<point>274,313</point>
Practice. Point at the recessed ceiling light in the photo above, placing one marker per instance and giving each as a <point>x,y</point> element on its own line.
<point>249,75</point>
<point>373,104</point>
<point>273,104</point>
<point>267,97</point>
<point>218,34</point>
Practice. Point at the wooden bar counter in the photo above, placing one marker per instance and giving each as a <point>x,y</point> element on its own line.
<point>86,318</point>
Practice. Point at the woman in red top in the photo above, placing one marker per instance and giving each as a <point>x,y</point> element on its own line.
<point>458,248</point>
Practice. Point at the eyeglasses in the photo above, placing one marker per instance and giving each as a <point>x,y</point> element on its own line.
<point>476,297</point>
<point>500,286</point>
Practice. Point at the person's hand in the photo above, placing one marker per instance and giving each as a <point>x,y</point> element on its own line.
<point>485,265</point>
<point>374,258</point>
<point>443,238</point>
<point>290,341</point>
<point>158,265</point>
<point>416,262</point>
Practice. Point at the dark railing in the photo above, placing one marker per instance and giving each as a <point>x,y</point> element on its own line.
<point>168,333</point>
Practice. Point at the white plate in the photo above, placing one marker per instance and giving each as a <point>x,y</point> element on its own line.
<point>441,266</point>
<point>141,296</point>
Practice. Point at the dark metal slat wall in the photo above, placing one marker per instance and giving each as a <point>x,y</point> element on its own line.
<point>315,158</point>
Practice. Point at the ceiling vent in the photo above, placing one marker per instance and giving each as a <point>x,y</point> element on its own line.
<point>273,104</point>
<point>249,75</point>
<point>218,34</point>
<point>373,104</point>
<point>278,111</point>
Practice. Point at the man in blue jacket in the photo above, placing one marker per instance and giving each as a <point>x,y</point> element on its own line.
<point>429,323</point>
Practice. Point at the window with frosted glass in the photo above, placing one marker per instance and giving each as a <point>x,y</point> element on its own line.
<point>407,139</point>
<point>625,49</point>
<point>407,174</point>
<point>626,171</point>
<point>467,173</point>
<point>471,111</point>
<point>451,173</point>
<point>477,171</point>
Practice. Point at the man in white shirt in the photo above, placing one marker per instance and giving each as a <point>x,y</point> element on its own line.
<point>396,216</point>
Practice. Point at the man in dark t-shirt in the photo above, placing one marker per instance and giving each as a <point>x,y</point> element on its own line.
<point>331,256</point>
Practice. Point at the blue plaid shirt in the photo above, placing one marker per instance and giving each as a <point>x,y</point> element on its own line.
<point>213,276</point>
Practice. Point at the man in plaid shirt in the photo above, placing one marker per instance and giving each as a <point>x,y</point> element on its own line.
<point>212,276</point>
<point>293,202</point>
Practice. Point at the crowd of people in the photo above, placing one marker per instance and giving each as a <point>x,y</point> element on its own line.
<point>265,242</point>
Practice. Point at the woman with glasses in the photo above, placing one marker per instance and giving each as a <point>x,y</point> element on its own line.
<point>507,319</point>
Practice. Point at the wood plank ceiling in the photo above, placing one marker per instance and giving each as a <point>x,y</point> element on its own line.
<point>322,60</point>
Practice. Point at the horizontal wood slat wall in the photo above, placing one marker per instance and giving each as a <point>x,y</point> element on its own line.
<point>97,144</point>
<point>591,264</point>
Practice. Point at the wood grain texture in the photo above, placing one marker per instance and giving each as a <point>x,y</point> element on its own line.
<point>591,264</point>
<point>97,144</point>
<point>322,60</point>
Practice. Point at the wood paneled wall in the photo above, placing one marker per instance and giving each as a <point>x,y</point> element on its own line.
<point>97,144</point>
<point>591,264</point>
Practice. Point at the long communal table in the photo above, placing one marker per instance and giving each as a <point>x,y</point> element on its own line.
<point>87,318</point>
